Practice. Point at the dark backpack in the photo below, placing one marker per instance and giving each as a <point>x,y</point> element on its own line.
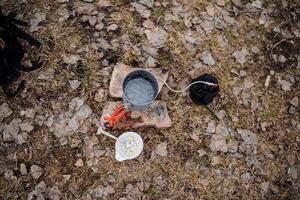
<point>11,52</point>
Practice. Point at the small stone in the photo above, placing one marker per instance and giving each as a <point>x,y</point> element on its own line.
<point>274,188</point>
<point>218,143</point>
<point>239,56</point>
<point>30,113</point>
<point>100,95</point>
<point>255,50</point>
<point>232,146</point>
<point>246,177</point>
<point>157,37</point>
<point>201,152</point>
<point>112,27</point>
<point>99,26</point>
<point>71,59</point>
<point>36,171</point>
<point>285,85</point>
<point>248,136</point>
<point>5,111</point>
<point>93,20</point>
<point>293,172</point>
<point>54,193</point>
<point>38,18</point>
<point>141,9</point>
<point>62,1</point>
<point>151,62</point>
<point>222,130</point>
<point>108,190</point>
<point>294,101</point>
<point>291,159</point>
<point>74,84</point>
<point>79,163</point>
<point>265,125</point>
<point>237,3</point>
<point>222,41</point>
<point>148,3</point>
<point>148,24</point>
<point>265,187</point>
<point>10,132</point>
<point>46,75</point>
<point>215,161</point>
<point>26,126</point>
<point>207,58</point>
<point>79,117</point>
<point>221,114</point>
<point>9,175</point>
<point>221,2</point>
<point>67,177</point>
<point>161,149</point>
<point>243,73</point>
<point>292,109</point>
<point>282,59</point>
<point>257,4</point>
<point>210,10</point>
<point>211,127</point>
<point>23,169</point>
<point>248,84</point>
<point>41,187</point>
<point>236,90</point>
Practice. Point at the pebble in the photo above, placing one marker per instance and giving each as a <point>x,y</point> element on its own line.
<point>246,177</point>
<point>218,143</point>
<point>79,163</point>
<point>292,109</point>
<point>54,193</point>
<point>221,2</point>
<point>157,37</point>
<point>285,85</point>
<point>211,127</point>
<point>222,130</point>
<point>23,169</point>
<point>282,59</point>
<point>5,111</point>
<point>100,95</point>
<point>26,126</point>
<point>240,56</point>
<point>161,149</point>
<point>293,172</point>
<point>248,136</point>
<point>71,59</point>
<point>201,152</point>
<point>46,75</point>
<point>112,27</point>
<point>294,101</point>
<point>265,187</point>
<point>36,171</point>
<point>74,84</point>
<point>207,58</point>
<point>148,24</point>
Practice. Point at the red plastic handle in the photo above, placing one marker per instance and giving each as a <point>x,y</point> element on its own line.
<point>117,114</point>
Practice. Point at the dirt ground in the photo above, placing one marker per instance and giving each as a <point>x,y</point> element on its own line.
<point>251,152</point>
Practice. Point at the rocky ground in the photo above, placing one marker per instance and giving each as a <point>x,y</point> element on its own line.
<point>48,145</point>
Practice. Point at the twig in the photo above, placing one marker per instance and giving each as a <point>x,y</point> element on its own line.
<point>245,11</point>
<point>190,128</point>
<point>278,43</point>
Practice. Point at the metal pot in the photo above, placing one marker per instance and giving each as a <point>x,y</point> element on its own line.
<point>140,89</point>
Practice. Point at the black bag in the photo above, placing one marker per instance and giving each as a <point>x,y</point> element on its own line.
<point>203,94</point>
<point>11,52</point>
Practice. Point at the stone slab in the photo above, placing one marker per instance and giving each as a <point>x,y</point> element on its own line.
<point>155,116</point>
<point>121,70</point>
